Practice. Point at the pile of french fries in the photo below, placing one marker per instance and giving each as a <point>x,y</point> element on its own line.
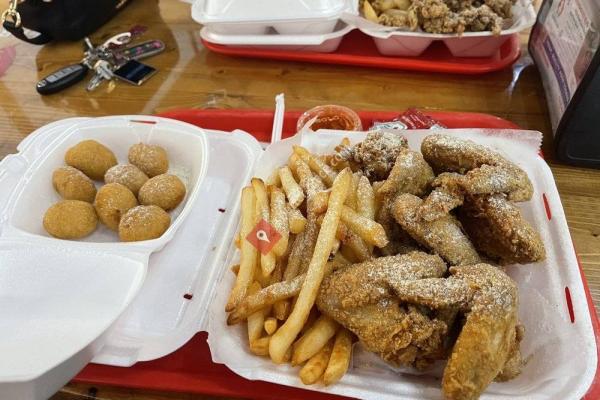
<point>325,215</point>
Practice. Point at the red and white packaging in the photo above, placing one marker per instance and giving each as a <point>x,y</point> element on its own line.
<point>410,119</point>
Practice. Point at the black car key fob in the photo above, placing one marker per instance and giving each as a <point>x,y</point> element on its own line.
<point>62,79</point>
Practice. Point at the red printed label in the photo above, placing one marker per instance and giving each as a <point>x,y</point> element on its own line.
<point>264,236</point>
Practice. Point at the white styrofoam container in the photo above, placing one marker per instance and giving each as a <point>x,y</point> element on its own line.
<point>561,355</point>
<point>235,17</point>
<point>395,42</point>
<point>320,43</point>
<point>60,298</point>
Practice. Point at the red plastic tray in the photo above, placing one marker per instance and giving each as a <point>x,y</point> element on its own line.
<point>190,369</point>
<point>359,49</point>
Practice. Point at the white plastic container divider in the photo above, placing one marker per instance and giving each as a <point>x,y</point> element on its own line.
<point>61,297</point>
<point>562,355</point>
<point>395,42</point>
<point>321,43</point>
<point>256,17</point>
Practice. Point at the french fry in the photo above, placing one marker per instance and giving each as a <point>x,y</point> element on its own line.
<point>270,325</point>
<point>279,221</point>
<point>274,180</point>
<point>310,240</point>
<point>292,164</point>
<point>351,201</point>
<point>295,259</point>
<point>358,246</point>
<point>292,190</point>
<point>248,251</point>
<point>365,198</point>
<point>315,367</point>
<point>265,297</point>
<point>238,240</point>
<point>260,347</point>
<point>235,268</point>
<point>310,183</point>
<point>370,231</point>
<point>340,357</point>
<point>314,339</point>
<point>369,12</point>
<point>319,202</point>
<point>267,261</point>
<point>256,320</point>
<point>296,221</point>
<point>283,338</point>
<point>317,165</point>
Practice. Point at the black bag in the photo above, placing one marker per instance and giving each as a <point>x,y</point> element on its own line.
<point>58,19</point>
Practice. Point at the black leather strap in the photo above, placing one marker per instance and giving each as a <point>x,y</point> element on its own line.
<point>42,38</point>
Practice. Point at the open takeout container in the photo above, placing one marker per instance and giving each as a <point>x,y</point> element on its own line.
<point>397,42</point>
<point>187,282</point>
<point>314,26</point>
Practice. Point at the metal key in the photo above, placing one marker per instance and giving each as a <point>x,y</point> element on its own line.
<point>104,71</point>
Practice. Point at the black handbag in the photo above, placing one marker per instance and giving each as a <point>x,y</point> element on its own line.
<point>58,19</point>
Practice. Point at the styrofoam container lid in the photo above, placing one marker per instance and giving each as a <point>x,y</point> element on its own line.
<point>55,301</point>
<point>232,11</point>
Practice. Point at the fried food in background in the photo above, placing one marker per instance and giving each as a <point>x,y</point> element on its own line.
<point>143,223</point>
<point>70,219</point>
<point>72,184</point>
<point>91,158</point>
<point>440,16</point>
<point>128,175</point>
<point>151,159</point>
<point>112,202</point>
<point>166,191</point>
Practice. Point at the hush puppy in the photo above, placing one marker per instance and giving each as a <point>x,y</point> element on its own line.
<point>72,184</point>
<point>165,191</point>
<point>70,219</point>
<point>151,159</point>
<point>127,175</point>
<point>112,202</point>
<point>91,158</point>
<point>143,223</point>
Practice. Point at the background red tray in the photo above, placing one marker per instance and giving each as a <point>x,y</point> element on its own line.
<point>359,49</point>
<point>190,369</point>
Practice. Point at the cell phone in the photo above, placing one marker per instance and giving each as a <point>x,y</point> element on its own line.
<point>134,72</point>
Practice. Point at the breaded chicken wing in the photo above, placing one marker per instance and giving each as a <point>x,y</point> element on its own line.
<point>362,298</point>
<point>499,230</point>
<point>443,236</point>
<point>488,344</point>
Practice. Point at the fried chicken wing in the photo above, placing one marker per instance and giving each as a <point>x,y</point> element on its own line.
<point>377,154</point>
<point>444,236</point>
<point>488,344</point>
<point>489,171</point>
<point>499,230</point>
<point>361,298</point>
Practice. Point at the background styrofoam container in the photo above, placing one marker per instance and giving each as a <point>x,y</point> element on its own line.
<point>235,17</point>
<point>561,355</point>
<point>321,43</point>
<point>394,42</point>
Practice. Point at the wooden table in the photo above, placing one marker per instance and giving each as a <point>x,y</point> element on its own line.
<point>192,77</point>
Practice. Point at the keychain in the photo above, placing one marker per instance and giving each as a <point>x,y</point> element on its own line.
<point>104,60</point>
